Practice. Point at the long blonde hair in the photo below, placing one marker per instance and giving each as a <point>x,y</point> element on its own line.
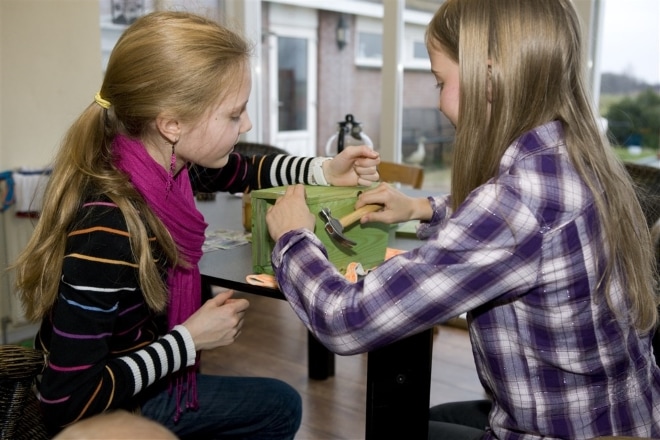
<point>530,54</point>
<point>166,61</point>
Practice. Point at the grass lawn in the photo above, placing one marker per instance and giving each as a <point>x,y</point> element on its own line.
<point>627,156</point>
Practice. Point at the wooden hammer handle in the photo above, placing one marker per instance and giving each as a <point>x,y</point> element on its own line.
<point>354,216</point>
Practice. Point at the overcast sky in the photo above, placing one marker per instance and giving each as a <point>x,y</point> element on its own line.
<point>631,39</point>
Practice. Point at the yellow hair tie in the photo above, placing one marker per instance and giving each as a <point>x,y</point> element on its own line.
<point>102,102</point>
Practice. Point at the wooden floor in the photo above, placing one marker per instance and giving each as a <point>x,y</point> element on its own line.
<point>273,343</point>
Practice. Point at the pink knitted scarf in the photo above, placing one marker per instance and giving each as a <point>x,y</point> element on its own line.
<point>171,199</point>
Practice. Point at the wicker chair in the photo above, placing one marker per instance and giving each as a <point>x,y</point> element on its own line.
<point>20,416</point>
<point>647,187</point>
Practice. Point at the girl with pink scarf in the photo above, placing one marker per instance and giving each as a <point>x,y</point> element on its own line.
<point>111,270</point>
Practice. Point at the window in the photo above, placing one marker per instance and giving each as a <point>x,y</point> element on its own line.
<point>369,47</point>
<point>630,78</point>
<point>415,55</point>
<point>116,15</point>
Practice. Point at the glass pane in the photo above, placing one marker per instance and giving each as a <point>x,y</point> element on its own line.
<point>419,50</point>
<point>426,134</point>
<point>630,78</point>
<point>292,83</point>
<point>370,46</point>
<point>116,15</point>
<point>350,78</point>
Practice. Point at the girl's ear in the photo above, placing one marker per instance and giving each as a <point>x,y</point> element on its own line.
<point>169,128</point>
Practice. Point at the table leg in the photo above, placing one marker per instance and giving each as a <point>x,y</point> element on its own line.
<point>399,388</point>
<point>320,360</point>
<point>207,291</point>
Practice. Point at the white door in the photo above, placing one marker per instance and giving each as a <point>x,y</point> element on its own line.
<point>292,52</point>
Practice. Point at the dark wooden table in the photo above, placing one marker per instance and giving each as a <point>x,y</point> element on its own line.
<point>398,375</point>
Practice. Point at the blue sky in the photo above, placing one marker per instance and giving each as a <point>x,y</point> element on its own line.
<point>631,39</point>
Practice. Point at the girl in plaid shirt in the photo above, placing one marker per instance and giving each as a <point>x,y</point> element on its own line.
<point>542,241</point>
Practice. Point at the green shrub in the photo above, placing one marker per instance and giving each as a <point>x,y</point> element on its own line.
<point>635,120</point>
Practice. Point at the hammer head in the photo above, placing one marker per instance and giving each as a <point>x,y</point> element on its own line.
<point>335,229</point>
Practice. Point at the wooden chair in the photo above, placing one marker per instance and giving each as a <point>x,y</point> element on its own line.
<point>20,416</point>
<point>392,172</point>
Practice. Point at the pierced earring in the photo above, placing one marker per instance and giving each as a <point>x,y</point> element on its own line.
<point>170,176</point>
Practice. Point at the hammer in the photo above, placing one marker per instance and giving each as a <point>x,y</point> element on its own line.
<point>335,227</point>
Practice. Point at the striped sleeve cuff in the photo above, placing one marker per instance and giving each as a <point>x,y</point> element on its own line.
<point>189,344</point>
<point>161,358</point>
<point>287,170</point>
<point>317,177</point>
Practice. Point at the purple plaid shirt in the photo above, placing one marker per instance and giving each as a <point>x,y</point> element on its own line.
<point>521,257</point>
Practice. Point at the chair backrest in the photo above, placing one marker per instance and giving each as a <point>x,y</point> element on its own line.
<point>392,172</point>
<point>647,186</point>
<point>253,148</point>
